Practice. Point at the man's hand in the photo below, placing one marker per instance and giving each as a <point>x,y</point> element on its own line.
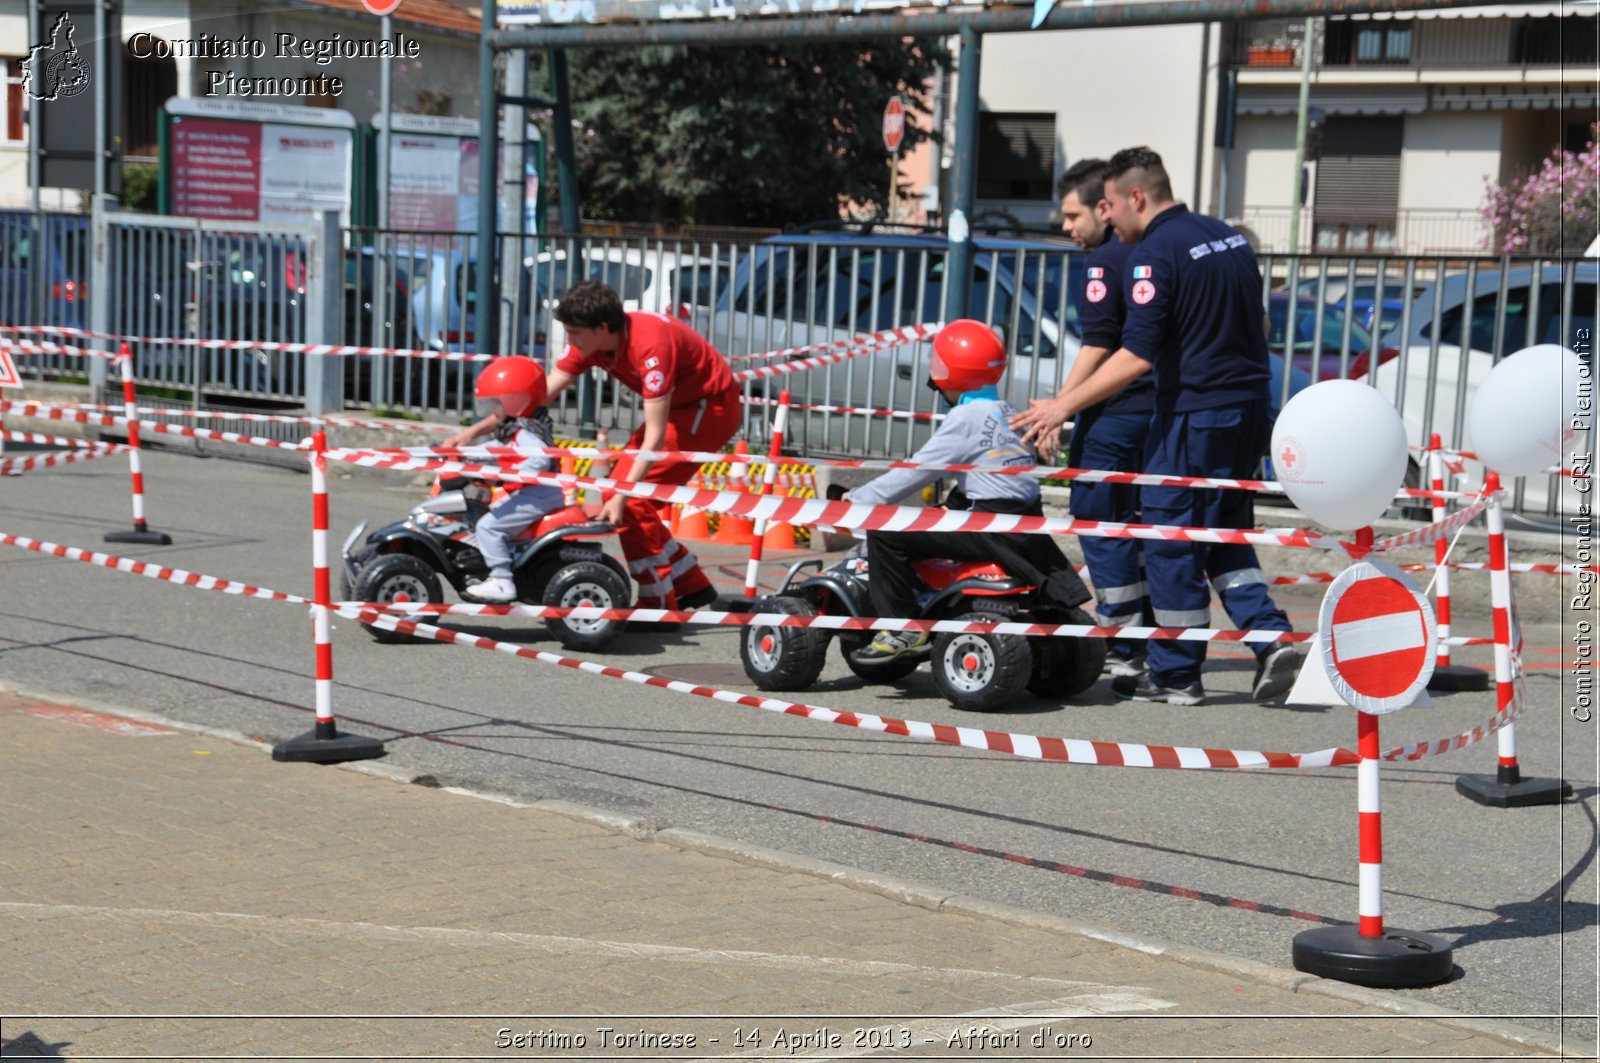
<point>1040,425</point>
<point>611,510</point>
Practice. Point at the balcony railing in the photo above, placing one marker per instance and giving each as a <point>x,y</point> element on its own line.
<point>1413,232</point>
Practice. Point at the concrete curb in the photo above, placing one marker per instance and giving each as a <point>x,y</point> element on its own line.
<point>921,895</point>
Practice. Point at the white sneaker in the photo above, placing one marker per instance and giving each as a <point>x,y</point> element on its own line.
<point>496,589</point>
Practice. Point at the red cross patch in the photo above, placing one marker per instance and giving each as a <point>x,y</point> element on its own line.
<point>1095,290</point>
<point>1143,292</point>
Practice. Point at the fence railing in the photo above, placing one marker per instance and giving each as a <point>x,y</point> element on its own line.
<point>1413,232</point>
<point>1423,330</point>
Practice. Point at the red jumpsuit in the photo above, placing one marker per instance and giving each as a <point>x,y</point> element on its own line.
<point>661,356</point>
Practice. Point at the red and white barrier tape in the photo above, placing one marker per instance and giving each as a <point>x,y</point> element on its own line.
<point>851,349</point>
<point>1066,750</point>
<point>334,349</point>
<point>852,515</point>
<point>18,466</point>
<point>1502,718</point>
<point>868,411</point>
<point>47,411</point>
<point>830,623</point>
<point>509,456</point>
<point>266,418</point>
<point>1443,529</point>
<point>887,338</point>
<point>150,570</point>
<point>50,441</point>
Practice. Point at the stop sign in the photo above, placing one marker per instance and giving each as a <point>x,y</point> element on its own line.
<point>1379,637</point>
<point>380,7</point>
<point>894,123</point>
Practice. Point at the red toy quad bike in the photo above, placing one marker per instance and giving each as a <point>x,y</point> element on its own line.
<point>974,670</point>
<point>557,562</point>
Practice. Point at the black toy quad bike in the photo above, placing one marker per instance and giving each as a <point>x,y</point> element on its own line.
<point>557,562</point>
<point>974,670</point>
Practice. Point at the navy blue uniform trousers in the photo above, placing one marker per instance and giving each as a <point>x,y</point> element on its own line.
<point>1225,442</point>
<point>1115,442</point>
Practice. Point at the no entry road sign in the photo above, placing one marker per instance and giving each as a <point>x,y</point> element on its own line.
<point>1377,637</point>
<point>894,123</point>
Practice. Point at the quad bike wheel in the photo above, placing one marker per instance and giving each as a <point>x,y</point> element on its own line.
<point>979,672</point>
<point>586,583</point>
<point>891,671</point>
<point>783,658</point>
<point>1066,667</point>
<point>395,578</point>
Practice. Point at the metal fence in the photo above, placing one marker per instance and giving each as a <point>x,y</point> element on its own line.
<point>1425,331</point>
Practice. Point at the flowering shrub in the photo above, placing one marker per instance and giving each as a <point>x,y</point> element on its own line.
<point>1552,211</point>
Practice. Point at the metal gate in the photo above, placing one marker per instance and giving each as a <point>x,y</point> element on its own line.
<point>177,282</point>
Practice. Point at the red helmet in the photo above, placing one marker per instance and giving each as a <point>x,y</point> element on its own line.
<point>967,355</point>
<point>518,383</point>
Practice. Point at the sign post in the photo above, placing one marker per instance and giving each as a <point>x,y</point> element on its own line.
<point>1374,651</point>
<point>894,128</point>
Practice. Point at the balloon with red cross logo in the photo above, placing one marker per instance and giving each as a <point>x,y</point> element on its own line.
<point>1339,449</point>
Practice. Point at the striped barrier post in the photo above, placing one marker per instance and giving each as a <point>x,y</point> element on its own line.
<point>1369,954</point>
<point>1506,788</point>
<point>323,744</point>
<point>141,532</point>
<point>780,421</point>
<point>1446,677</point>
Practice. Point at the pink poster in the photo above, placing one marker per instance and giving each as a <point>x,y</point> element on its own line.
<point>216,169</point>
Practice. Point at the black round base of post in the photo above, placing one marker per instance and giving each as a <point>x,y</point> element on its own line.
<point>1400,959</point>
<point>140,535</point>
<point>327,748</point>
<point>1514,792</point>
<point>1453,678</point>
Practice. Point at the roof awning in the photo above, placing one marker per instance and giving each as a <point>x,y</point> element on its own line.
<point>1546,10</point>
<point>1514,97</point>
<point>1262,99</point>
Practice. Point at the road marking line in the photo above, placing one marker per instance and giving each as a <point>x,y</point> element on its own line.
<point>1081,994</point>
<point>98,720</point>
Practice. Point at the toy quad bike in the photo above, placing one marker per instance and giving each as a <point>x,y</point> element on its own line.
<point>974,670</point>
<point>555,562</point>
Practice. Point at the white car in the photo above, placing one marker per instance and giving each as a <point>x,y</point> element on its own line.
<point>1434,377</point>
<point>648,278</point>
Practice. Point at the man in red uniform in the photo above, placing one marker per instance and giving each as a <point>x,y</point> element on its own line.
<point>691,402</point>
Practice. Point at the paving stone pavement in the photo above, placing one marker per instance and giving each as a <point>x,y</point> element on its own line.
<point>168,894</point>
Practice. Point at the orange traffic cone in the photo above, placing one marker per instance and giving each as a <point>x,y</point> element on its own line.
<point>569,492</point>
<point>779,536</point>
<point>692,524</point>
<point>735,531</point>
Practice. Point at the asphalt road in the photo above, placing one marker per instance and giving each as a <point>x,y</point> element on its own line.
<point>1238,862</point>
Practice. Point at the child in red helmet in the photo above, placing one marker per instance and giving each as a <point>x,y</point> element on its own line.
<point>515,388</point>
<point>968,361</point>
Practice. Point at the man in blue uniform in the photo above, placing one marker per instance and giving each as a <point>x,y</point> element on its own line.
<point>1110,434</point>
<point>1194,319</point>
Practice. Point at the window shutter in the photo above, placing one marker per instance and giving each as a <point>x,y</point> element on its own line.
<point>1358,175</point>
<point>1016,155</point>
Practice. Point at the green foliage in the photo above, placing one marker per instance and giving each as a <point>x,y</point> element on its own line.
<point>756,135</point>
<point>139,182</point>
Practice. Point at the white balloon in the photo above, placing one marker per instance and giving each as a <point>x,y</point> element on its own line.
<point>1523,411</point>
<point>1339,449</point>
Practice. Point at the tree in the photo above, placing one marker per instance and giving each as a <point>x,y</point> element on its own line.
<point>1552,211</point>
<point>758,135</point>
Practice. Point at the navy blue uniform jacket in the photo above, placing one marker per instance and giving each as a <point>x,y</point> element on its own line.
<point>1195,312</point>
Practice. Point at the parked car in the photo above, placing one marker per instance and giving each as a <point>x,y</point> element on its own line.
<point>1361,294</point>
<point>647,278</point>
<point>44,266</point>
<point>1440,371</point>
<point>825,284</point>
